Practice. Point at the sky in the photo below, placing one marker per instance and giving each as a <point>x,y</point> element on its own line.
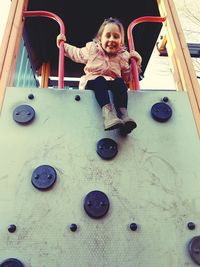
<point>189,14</point>
<point>4,10</point>
<point>158,73</point>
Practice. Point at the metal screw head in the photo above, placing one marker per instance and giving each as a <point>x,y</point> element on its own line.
<point>49,176</point>
<point>102,204</point>
<point>89,203</point>
<point>36,176</point>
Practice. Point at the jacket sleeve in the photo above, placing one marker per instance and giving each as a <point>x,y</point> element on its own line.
<point>78,55</point>
<point>125,67</point>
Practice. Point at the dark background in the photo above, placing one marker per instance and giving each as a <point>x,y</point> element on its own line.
<point>82,20</point>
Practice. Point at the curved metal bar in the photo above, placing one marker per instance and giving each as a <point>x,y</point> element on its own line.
<point>131,42</point>
<point>61,49</point>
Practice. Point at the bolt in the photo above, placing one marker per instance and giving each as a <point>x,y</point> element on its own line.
<point>36,176</point>
<point>31,96</point>
<point>49,176</point>
<point>102,204</point>
<point>165,99</point>
<point>77,98</point>
<point>89,203</point>
<point>196,250</point>
<point>191,226</point>
<point>12,228</point>
<point>133,226</point>
<point>73,227</point>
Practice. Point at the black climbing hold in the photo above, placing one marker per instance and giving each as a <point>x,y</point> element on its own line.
<point>12,262</point>
<point>23,114</point>
<point>191,226</point>
<point>107,148</point>
<point>194,249</point>
<point>77,98</point>
<point>44,177</point>
<point>161,112</point>
<point>96,204</point>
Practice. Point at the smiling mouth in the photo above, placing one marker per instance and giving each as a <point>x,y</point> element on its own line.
<point>111,47</point>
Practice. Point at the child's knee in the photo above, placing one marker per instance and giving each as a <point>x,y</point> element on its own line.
<point>100,79</point>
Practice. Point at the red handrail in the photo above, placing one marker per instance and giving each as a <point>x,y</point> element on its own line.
<point>131,43</point>
<point>61,49</point>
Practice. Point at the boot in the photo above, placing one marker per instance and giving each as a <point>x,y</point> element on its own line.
<point>111,121</point>
<point>129,124</point>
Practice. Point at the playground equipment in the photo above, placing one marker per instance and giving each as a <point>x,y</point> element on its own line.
<point>72,194</point>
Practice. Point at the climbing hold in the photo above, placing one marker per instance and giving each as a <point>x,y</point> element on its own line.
<point>11,263</point>
<point>23,114</point>
<point>161,112</point>
<point>96,204</point>
<point>43,177</point>
<point>107,148</point>
<point>194,249</point>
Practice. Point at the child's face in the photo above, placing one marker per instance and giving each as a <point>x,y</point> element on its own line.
<point>111,39</point>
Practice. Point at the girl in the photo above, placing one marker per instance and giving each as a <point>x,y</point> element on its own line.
<point>107,68</point>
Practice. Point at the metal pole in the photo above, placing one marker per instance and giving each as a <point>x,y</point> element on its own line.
<point>61,49</point>
<point>131,42</point>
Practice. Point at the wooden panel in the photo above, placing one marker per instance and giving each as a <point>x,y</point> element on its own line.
<point>45,73</point>
<point>183,70</point>
<point>6,36</point>
<point>13,36</point>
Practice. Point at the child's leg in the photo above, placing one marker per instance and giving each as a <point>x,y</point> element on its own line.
<point>119,91</point>
<point>100,88</point>
<point>120,97</point>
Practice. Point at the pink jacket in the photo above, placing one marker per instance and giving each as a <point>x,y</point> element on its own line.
<point>97,63</point>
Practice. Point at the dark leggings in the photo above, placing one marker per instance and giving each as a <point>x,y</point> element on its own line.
<point>100,86</point>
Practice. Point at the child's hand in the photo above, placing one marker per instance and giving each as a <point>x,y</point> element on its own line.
<point>138,59</point>
<point>60,37</point>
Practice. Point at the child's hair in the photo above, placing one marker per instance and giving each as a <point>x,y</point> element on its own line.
<point>114,21</point>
